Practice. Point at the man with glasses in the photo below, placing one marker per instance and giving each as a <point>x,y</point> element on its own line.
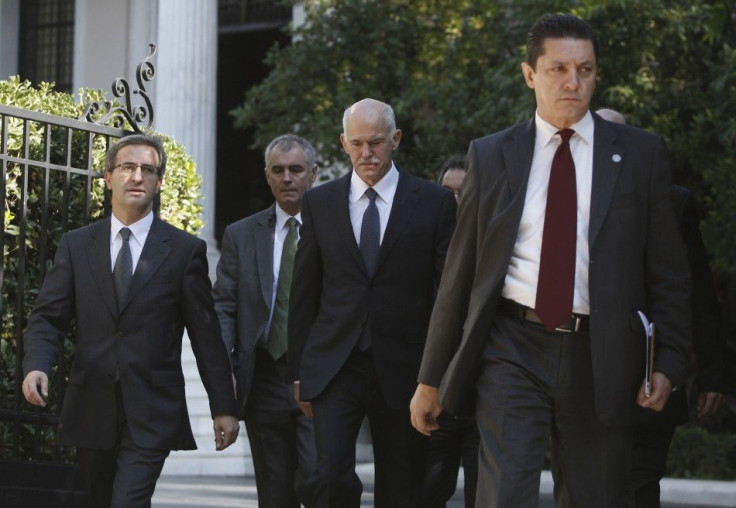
<point>131,283</point>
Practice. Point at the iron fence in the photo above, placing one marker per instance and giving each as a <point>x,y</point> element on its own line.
<point>48,166</point>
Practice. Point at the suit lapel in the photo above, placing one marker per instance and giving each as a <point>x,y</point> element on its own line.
<point>605,174</point>
<point>264,238</point>
<point>155,250</point>
<point>100,264</point>
<point>405,201</point>
<point>518,153</point>
<point>339,208</point>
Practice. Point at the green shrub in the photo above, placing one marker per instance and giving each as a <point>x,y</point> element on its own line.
<point>697,453</point>
<point>180,193</point>
<point>72,201</point>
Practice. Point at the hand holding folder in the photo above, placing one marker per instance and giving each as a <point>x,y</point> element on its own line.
<point>649,337</point>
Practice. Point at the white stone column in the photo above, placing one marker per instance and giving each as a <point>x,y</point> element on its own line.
<point>186,89</point>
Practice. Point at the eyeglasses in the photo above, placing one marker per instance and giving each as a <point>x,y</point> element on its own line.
<point>128,168</point>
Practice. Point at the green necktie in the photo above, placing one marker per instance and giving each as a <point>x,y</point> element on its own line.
<point>277,338</point>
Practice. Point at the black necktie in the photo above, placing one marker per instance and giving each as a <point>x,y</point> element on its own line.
<point>122,273</point>
<point>370,243</point>
<point>370,233</point>
<point>277,336</point>
<point>556,283</point>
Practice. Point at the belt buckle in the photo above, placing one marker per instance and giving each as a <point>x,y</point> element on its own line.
<point>572,329</point>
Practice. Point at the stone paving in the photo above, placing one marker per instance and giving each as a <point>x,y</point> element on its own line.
<point>240,492</point>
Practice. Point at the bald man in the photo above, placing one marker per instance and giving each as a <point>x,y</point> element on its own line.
<point>369,261</point>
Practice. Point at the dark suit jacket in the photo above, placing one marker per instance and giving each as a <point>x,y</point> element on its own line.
<point>709,343</point>
<point>637,262</point>
<point>170,290</point>
<point>333,298</point>
<point>244,292</point>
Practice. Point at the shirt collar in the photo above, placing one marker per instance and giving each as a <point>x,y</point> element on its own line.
<point>546,131</point>
<point>385,187</point>
<point>138,229</point>
<point>282,217</point>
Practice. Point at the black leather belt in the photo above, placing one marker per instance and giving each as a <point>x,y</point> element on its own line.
<point>576,323</point>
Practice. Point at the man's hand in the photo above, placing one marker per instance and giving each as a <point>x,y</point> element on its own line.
<point>306,407</point>
<point>661,390</point>
<point>226,431</point>
<point>35,381</point>
<point>708,403</point>
<point>425,407</point>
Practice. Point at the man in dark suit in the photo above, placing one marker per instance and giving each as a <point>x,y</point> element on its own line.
<point>652,437</point>
<point>132,283</point>
<point>537,310</point>
<point>370,257</point>
<point>256,261</point>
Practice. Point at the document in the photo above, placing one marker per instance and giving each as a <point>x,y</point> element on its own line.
<point>649,365</point>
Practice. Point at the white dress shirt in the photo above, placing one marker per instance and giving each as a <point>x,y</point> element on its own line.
<point>358,201</point>
<point>138,234</point>
<point>523,273</point>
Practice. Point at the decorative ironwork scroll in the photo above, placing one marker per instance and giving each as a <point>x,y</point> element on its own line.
<point>139,117</point>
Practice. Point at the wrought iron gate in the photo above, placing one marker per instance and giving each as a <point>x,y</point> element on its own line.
<point>52,169</point>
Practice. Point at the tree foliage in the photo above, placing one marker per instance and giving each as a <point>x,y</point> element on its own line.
<point>451,70</point>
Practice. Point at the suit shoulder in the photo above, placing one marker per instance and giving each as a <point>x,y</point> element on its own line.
<point>633,133</point>
<point>428,186</point>
<point>502,136</point>
<point>252,220</point>
<point>89,230</point>
<point>179,235</point>
<point>329,186</point>
<point>321,191</point>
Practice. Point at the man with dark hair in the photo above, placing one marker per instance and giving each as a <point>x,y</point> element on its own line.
<point>452,174</point>
<point>252,298</point>
<point>565,231</point>
<point>652,437</point>
<point>132,283</point>
<point>369,261</point>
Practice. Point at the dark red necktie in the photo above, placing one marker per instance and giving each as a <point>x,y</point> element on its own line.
<point>556,283</point>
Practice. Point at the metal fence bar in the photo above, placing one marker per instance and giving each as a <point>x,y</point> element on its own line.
<point>81,125</point>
